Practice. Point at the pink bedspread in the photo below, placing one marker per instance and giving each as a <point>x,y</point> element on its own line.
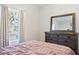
<point>36,48</point>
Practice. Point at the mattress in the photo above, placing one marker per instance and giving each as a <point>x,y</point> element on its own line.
<point>36,48</point>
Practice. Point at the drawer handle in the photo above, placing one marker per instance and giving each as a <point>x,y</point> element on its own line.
<point>58,35</point>
<point>69,37</point>
<point>66,41</point>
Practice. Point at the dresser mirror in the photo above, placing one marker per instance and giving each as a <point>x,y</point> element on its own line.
<point>64,22</point>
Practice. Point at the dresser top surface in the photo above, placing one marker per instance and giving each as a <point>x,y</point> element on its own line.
<point>71,33</point>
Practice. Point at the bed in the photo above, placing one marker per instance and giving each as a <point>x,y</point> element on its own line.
<point>36,48</point>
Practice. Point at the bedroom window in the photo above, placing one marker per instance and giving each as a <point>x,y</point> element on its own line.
<point>14,26</point>
<point>11,26</point>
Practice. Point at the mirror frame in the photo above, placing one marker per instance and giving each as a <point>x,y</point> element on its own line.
<point>73,23</point>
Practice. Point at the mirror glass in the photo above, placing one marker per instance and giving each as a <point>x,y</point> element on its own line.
<point>62,23</point>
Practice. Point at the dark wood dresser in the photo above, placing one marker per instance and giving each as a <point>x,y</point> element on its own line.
<point>68,39</point>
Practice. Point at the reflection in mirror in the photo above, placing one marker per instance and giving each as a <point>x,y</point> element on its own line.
<point>62,22</point>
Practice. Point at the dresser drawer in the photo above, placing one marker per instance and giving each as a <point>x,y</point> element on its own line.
<point>71,43</point>
<point>66,39</point>
<point>52,38</point>
<point>51,41</point>
<point>50,35</point>
<point>71,37</point>
<point>67,42</point>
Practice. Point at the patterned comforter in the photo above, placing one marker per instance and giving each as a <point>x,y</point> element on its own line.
<point>36,48</point>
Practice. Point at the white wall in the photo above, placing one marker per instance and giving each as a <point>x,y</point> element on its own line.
<point>31,16</point>
<point>52,10</point>
<point>37,19</point>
